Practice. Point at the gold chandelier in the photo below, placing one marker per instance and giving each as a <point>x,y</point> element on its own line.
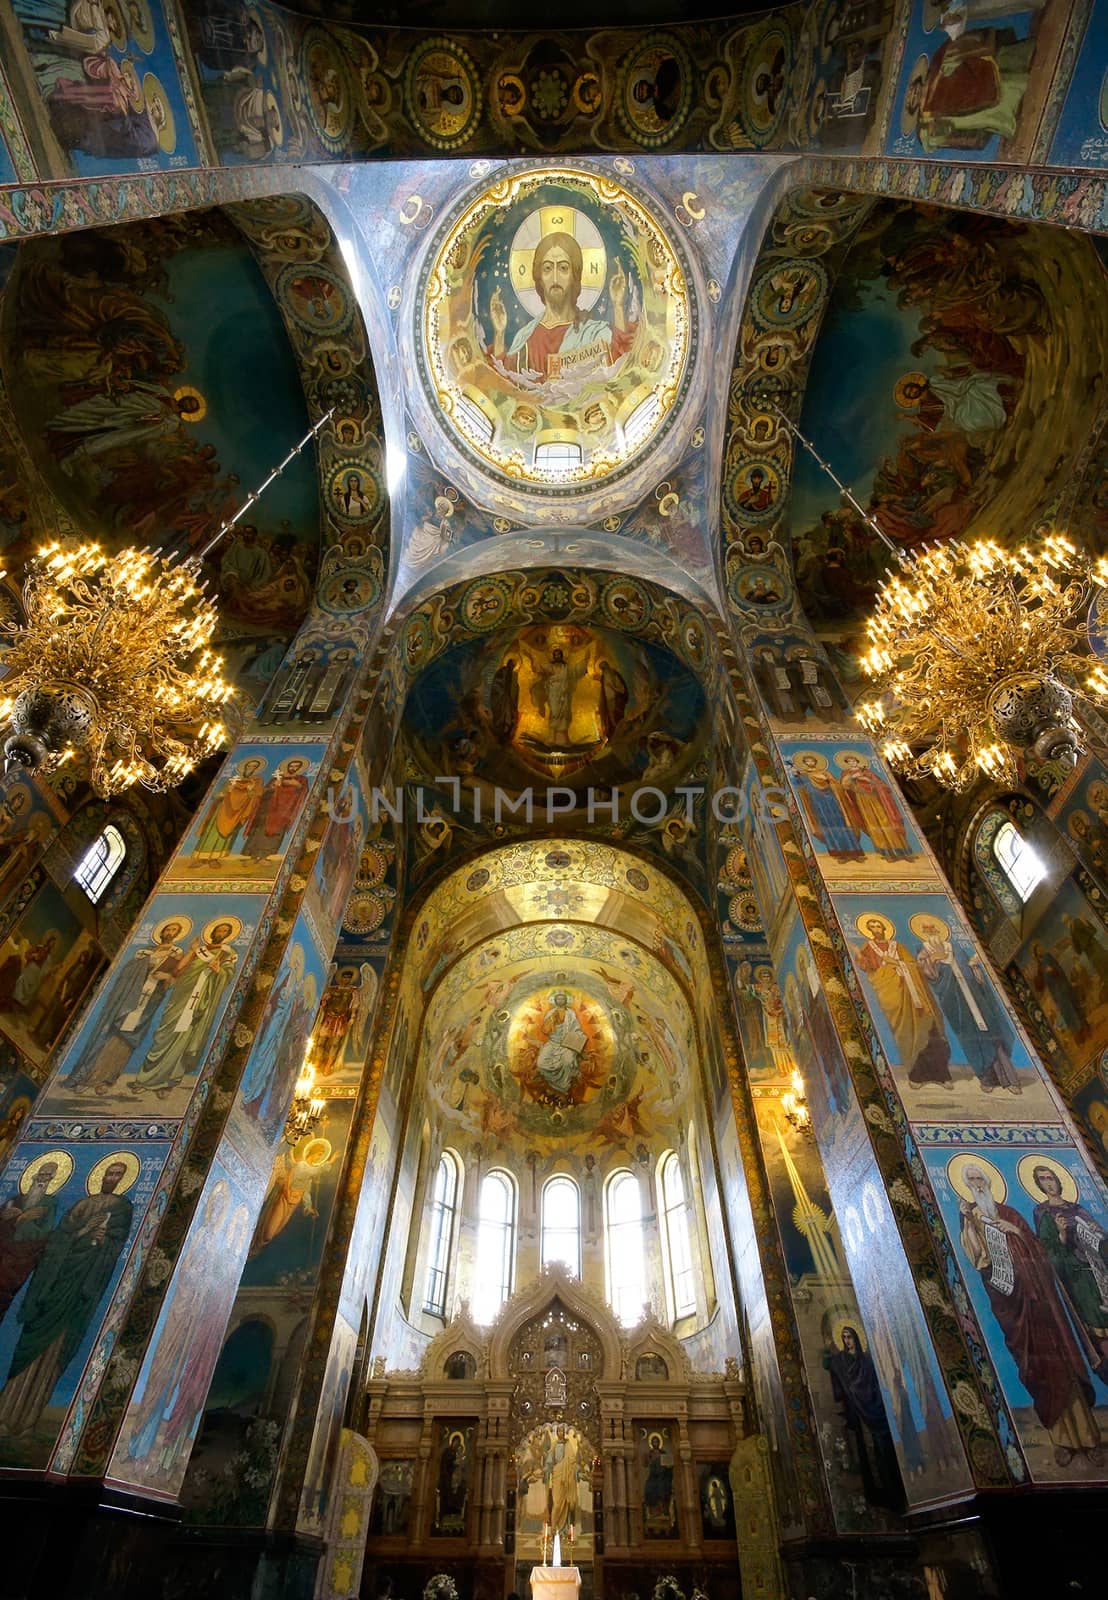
<point>112,660</point>
<point>307,1107</point>
<point>977,653</point>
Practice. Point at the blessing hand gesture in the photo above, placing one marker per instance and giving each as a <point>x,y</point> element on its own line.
<point>617,291</point>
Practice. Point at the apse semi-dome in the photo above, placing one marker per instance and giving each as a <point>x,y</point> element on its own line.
<point>556,329</point>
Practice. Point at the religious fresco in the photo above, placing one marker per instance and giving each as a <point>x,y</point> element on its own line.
<point>344,1022</point>
<point>717,1508</point>
<point>974,80</point>
<point>289,1236</point>
<point>945,338</point>
<point>320,1471</point>
<point>244,826</point>
<point>562,702</point>
<point>392,1502</point>
<point>916,1403</point>
<point>336,865</point>
<point>535,1042</point>
<point>48,958</point>
<point>656,1448</point>
<point>854,1436</point>
<point>158,1431</point>
<point>277,1051</point>
<point>309,683</point>
<point>1081,133</point>
<point>71,1216</point>
<point>452,1464</point>
<point>16,1100</point>
<point>30,816</point>
<point>944,1027</point>
<point>554,1493</point>
<point>855,818</point>
<point>140,415</point>
<point>1030,1223</point>
<point>795,679</point>
<point>557,329</point>
<point>1061,974</point>
<point>111,98</point>
<point>150,1026</point>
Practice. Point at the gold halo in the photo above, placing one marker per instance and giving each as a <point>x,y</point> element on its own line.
<point>278,136</point>
<point>134,87</point>
<point>255,16</point>
<point>154,94</point>
<point>841,1321</point>
<point>142,31</point>
<point>310,991</point>
<point>303,1150</point>
<point>900,397</point>
<point>190,391</point>
<point>927,916</point>
<point>236,927</point>
<point>65,1168</point>
<point>957,1165</point>
<point>117,27</point>
<point>843,755</point>
<point>909,120</point>
<point>1025,1172</point>
<point>184,923</point>
<point>875,916</point>
<point>813,755</point>
<point>22,1103</point>
<point>126,1158</point>
<point>557,219</point>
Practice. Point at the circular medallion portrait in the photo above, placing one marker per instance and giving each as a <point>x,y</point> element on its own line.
<point>556,330</point>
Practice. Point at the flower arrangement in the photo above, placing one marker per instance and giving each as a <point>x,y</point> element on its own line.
<point>667,1588</point>
<point>440,1587</point>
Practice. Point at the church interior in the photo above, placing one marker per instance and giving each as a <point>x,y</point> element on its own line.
<point>556,1085</point>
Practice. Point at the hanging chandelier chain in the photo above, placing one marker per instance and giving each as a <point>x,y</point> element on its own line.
<point>844,488</point>
<point>256,494</point>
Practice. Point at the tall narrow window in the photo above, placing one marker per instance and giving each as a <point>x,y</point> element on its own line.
<point>1019,863</point>
<point>496,1229</point>
<point>100,862</point>
<point>678,1248</point>
<point>561,1224</point>
<point>444,1207</point>
<point>626,1256</point>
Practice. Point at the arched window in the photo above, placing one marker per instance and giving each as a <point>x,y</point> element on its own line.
<point>561,1224</point>
<point>496,1231</point>
<point>675,1219</point>
<point>1020,864</point>
<point>558,457</point>
<point>100,862</point>
<point>444,1209</point>
<point>626,1255</point>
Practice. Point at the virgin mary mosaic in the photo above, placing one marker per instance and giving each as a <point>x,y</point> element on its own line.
<point>556,329</point>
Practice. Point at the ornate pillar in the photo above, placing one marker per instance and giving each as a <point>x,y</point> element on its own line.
<point>954,1090</point>
<point>164,1113</point>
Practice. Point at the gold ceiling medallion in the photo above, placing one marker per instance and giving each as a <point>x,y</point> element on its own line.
<point>557,329</point>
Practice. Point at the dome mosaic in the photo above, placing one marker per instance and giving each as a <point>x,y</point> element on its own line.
<point>557,329</point>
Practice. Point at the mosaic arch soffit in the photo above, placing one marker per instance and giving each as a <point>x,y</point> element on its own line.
<point>569,594</point>
<point>506,886</point>
<point>531,549</point>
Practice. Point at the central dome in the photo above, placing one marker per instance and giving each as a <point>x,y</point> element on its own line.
<point>556,330</point>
